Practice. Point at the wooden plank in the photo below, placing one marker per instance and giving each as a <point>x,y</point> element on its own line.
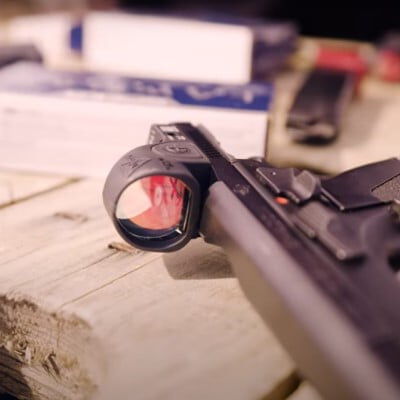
<point>16,186</point>
<point>83,320</point>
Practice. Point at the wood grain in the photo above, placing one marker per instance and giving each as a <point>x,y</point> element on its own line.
<point>82,319</point>
<point>15,186</point>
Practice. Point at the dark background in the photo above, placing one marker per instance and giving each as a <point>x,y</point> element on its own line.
<point>336,19</point>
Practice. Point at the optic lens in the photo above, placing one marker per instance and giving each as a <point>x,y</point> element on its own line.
<point>154,207</point>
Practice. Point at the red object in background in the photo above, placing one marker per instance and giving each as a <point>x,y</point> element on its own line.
<point>387,62</point>
<point>347,60</point>
<point>387,65</point>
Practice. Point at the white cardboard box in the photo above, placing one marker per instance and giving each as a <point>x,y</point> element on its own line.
<point>81,123</point>
<point>183,48</point>
<point>163,47</point>
<point>50,33</point>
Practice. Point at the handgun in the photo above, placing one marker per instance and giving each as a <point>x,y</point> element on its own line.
<point>317,256</point>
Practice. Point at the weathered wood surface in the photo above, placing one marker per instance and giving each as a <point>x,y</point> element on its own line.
<point>370,129</point>
<point>15,186</point>
<point>80,319</point>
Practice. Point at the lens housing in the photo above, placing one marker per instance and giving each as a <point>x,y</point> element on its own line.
<point>154,203</point>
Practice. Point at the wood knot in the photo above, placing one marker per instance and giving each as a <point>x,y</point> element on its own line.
<point>120,246</point>
<point>80,218</point>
